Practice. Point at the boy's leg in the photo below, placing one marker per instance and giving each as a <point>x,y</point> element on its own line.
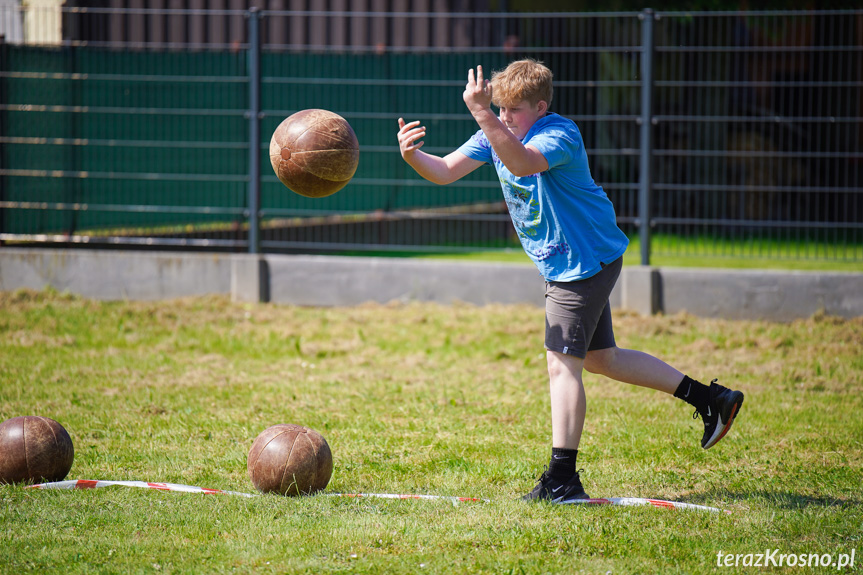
<point>634,367</point>
<point>561,481</point>
<point>572,313</point>
<point>717,405</point>
<point>568,402</point>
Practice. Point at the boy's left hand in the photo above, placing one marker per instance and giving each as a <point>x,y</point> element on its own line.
<point>477,92</point>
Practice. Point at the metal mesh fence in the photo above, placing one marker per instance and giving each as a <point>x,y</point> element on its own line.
<point>758,134</point>
<point>387,205</point>
<point>122,142</point>
<point>136,126</point>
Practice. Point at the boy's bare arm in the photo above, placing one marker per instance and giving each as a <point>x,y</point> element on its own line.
<point>433,168</point>
<point>519,159</point>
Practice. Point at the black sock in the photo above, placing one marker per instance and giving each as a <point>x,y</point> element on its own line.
<point>562,465</point>
<point>693,392</point>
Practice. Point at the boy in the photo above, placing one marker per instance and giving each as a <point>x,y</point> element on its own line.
<point>568,227</point>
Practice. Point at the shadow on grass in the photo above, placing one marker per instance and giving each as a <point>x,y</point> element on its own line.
<point>780,499</point>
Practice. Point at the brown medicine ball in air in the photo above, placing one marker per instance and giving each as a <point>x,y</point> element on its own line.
<point>315,153</point>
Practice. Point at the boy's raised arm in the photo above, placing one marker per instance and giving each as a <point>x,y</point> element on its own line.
<point>433,168</point>
<point>519,159</point>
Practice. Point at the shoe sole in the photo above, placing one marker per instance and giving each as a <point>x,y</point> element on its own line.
<point>720,433</point>
<point>562,501</point>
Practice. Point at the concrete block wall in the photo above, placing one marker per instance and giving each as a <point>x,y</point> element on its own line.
<point>334,281</point>
<point>115,275</point>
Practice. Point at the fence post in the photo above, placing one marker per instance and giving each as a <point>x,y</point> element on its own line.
<point>2,131</point>
<point>254,115</point>
<point>250,275</point>
<point>645,182</point>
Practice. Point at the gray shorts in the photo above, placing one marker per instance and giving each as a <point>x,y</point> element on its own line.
<point>578,315</point>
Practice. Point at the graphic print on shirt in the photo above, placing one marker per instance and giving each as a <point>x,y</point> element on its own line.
<point>550,250</point>
<point>523,208</point>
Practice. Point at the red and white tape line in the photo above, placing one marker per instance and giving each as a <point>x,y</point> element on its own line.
<point>623,501</point>
<point>454,500</point>
<point>94,484</point>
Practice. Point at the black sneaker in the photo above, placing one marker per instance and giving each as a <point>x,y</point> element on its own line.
<point>719,414</point>
<point>550,489</point>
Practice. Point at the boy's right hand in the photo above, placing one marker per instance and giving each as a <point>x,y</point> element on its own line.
<point>409,136</point>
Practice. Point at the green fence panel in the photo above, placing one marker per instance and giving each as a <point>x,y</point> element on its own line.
<point>756,127</point>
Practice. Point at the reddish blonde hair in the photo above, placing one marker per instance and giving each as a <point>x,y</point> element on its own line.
<point>526,80</point>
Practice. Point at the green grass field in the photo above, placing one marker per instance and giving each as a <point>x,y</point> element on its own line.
<point>424,399</point>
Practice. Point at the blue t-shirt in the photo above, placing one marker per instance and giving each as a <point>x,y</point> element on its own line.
<point>565,221</point>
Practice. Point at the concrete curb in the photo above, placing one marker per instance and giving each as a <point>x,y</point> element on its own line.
<point>336,281</point>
